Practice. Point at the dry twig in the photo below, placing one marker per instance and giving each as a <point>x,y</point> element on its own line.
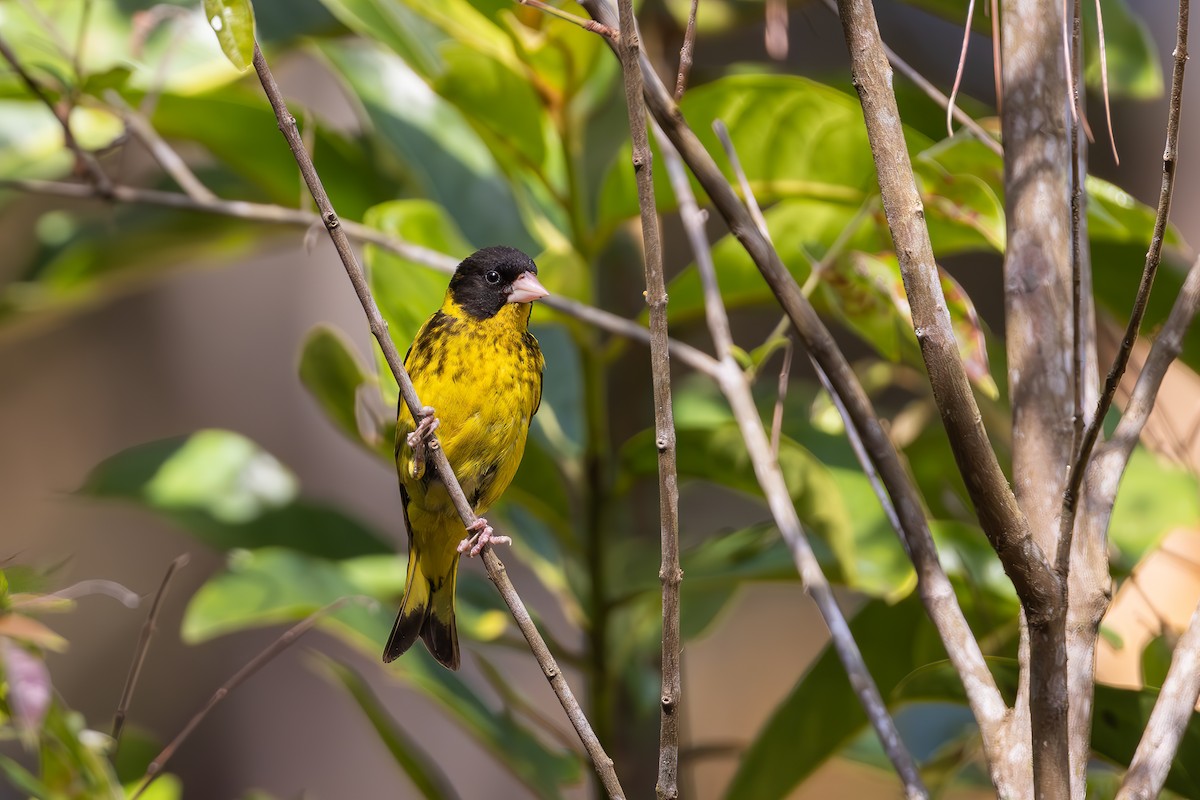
<point>495,568</point>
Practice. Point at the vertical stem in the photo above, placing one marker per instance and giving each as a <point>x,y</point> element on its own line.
<point>629,50</point>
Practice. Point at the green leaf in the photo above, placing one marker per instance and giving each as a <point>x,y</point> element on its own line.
<point>719,455</point>
<point>796,138</point>
<point>1156,660</point>
<point>1134,69</point>
<point>1154,499</point>
<point>239,129</point>
<point>275,585</point>
<point>1133,63</point>
<point>443,155</point>
<point>499,100</point>
<point>228,493</point>
<point>821,715</point>
<point>233,22</point>
<point>418,765</point>
<point>1119,718</point>
<point>408,293</point>
<point>335,376</point>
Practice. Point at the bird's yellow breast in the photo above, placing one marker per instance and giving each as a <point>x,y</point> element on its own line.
<point>484,380</point>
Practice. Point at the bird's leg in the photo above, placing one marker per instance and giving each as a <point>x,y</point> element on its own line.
<point>481,534</point>
<point>418,440</point>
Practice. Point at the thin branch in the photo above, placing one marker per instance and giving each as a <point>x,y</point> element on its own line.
<point>685,51</point>
<point>495,569</point>
<point>962,65</point>
<point>143,646</point>
<point>934,94</point>
<point>1079,358</point>
<point>734,385</point>
<point>88,161</point>
<point>1153,258</point>
<point>1168,721</point>
<point>586,24</point>
<point>780,397</point>
<point>163,153</point>
<point>1166,348</point>
<point>1002,520</point>
<point>263,212</point>
<point>1112,136</point>
<point>285,640</point>
<point>670,573</point>
<point>775,29</point>
<point>935,589</point>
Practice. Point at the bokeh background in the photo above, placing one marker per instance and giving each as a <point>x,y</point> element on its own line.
<point>214,343</point>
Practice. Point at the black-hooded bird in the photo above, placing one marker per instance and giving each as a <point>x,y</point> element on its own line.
<point>479,370</point>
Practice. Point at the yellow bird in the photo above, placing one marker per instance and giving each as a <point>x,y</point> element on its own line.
<point>477,364</point>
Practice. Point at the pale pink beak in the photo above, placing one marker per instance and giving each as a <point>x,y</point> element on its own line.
<point>526,288</point>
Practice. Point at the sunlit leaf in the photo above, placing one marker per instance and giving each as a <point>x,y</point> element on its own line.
<point>435,144</point>
<point>233,22</point>
<point>1154,499</point>
<point>416,763</point>
<point>821,714</point>
<point>228,493</point>
<point>335,376</point>
<point>275,585</point>
<point>1156,660</point>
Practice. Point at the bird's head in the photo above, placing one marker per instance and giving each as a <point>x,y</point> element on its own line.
<point>489,279</point>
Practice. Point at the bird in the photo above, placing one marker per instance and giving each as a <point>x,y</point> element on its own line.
<point>479,370</point>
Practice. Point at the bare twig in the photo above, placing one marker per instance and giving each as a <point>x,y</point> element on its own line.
<point>670,573</point>
<point>143,646</point>
<point>780,397</point>
<point>285,640</point>
<point>999,515</point>
<point>1168,721</point>
<point>586,24</point>
<point>263,212</point>
<point>962,66</point>
<point>61,113</point>
<point>734,385</point>
<point>1166,348</point>
<point>934,94</point>
<point>935,589</point>
<point>775,31</point>
<point>1112,140</point>
<point>495,568</point>
<point>163,153</point>
<point>1153,258</point>
<point>686,51</point>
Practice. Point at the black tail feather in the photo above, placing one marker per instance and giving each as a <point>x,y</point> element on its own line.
<point>441,640</point>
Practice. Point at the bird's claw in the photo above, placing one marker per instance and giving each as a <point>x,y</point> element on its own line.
<point>482,534</point>
<point>418,439</point>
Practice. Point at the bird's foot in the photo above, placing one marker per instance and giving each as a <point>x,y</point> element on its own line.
<point>418,440</point>
<point>482,534</point>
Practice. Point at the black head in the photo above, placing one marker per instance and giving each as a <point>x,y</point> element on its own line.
<point>483,282</point>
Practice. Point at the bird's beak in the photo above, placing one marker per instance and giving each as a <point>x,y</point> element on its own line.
<point>526,288</point>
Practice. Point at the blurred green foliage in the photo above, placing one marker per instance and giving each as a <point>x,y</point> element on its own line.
<point>482,121</point>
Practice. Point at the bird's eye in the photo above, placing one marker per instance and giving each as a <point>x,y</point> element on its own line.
<point>492,276</point>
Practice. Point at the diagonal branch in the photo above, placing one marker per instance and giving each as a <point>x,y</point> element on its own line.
<point>163,153</point>
<point>1002,520</point>
<point>1041,589</point>
<point>1149,271</point>
<point>670,572</point>
<point>88,161</point>
<point>280,215</point>
<point>736,387</point>
<point>1168,721</point>
<point>495,568</point>
<point>935,589</point>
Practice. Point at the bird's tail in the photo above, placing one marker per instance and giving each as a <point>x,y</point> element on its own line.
<point>427,610</point>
